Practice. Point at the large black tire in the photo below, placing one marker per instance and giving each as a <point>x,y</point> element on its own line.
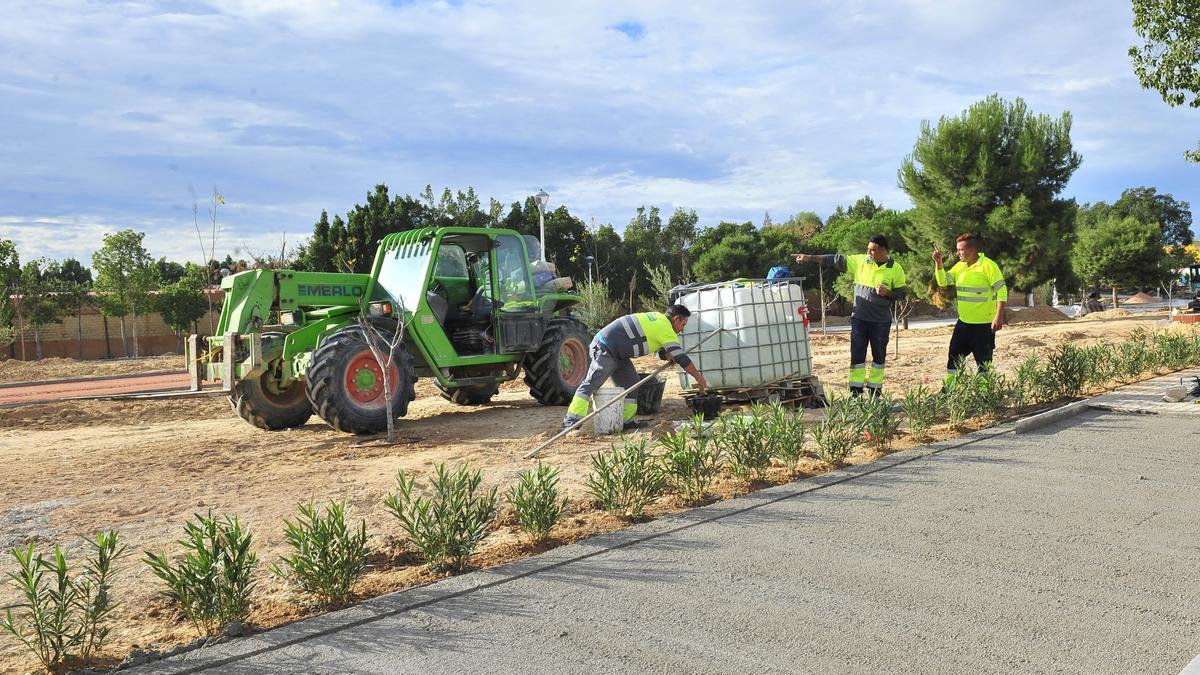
<point>260,402</point>
<point>475,394</point>
<point>555,370</point>
<point>345,383</point>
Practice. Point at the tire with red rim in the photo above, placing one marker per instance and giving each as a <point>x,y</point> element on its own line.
<point>345,383</point>
<point>554,371</point>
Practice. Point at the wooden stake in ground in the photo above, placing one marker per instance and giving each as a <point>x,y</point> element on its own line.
<point>533,453</point>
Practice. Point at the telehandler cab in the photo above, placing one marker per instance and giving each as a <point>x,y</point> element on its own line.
<point>462,300</point>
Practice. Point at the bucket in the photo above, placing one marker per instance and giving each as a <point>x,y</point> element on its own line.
<point>649,395</point>
<point>709,406</point>
<point>610,420</point>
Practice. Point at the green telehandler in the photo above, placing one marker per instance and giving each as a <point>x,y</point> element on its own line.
<point>459,304</point>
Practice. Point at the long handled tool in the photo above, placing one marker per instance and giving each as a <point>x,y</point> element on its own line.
<point>533,453</point>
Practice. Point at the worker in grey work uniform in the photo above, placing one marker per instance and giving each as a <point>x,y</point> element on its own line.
<point>617,343</point>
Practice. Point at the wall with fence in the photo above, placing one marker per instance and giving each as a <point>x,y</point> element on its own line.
<point>94,336</point>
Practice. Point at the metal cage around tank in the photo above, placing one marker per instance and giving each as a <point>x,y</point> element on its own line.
<point>765,342</point>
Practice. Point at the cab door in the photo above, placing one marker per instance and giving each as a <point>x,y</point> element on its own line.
<point>518,322</point>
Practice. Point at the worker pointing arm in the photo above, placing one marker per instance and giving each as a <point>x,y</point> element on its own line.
<point>879,283</point>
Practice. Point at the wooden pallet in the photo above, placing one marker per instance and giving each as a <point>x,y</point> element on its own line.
<point>795,393</point>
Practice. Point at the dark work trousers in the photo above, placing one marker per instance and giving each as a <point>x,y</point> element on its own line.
<point>864,334</point>
<point>971,339</point>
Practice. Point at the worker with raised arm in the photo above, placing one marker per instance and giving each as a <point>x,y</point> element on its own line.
<point>617,343</point>
<point>879,283</point>
<point>982,296</point>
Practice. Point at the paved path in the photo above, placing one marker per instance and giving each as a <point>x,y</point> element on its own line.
<point>1070,548</point>
<point>44,392</point>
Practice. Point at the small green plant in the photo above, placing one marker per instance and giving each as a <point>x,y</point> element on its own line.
<point>1133,359</point>
<point>787,436</point>
<point>626,479</point>
<point>1066,369</point>
<point>747,442</point>
<point>962,397</point>
<point>212,583</point>
<point>447,527</point>
<point>1029,386</point>
<point>1173,351</point>
<point>536,501</point>
<point>995,394</point>
<point>833,440</point>
<point>690,460</point>
<point>879,426</point>
<point>64,621</point>
<point>1102,362</point>
<point>327,555</point>
<point>921,407</point>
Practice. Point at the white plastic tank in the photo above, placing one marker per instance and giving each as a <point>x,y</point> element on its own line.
<point>765,338</point>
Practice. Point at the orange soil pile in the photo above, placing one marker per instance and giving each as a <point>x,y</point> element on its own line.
<point>1035,314</point>
<point>1141,299</point>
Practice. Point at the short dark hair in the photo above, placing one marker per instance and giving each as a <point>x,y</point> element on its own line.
<point>879,240</point>
<point>969,238</point>
<point>678,310</point>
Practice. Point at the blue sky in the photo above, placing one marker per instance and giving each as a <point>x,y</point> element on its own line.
<point>115,113</point>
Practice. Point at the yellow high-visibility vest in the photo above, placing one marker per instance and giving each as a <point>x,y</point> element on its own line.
<point>979,286</point>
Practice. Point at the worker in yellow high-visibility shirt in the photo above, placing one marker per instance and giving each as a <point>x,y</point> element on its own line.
<point>617,343</point>
<point>981,298</point>
<point>879,283</point>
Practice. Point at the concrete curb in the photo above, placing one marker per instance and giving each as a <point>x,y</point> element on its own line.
<point>1049,417</point>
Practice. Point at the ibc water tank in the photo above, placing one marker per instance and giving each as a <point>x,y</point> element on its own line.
<point>765,337</point>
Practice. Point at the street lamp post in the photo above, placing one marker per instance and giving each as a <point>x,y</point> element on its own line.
<point>542,198</point>
<point>590,260</point>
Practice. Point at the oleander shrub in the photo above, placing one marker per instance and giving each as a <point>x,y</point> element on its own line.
<point>787,435</point>
<point>327,554</point>
<point>746,442</point>
<point>63,614</point>
<point>537,502</point>
<point>446,526</point>
<point>213,580</point>
<point>921,408</point>
<point>691,461</point>
<point>627,479</point>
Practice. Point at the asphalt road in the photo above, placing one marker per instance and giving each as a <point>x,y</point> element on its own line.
<point>1070,548</point>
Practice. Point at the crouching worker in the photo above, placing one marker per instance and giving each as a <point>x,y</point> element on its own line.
<point>631,336</point>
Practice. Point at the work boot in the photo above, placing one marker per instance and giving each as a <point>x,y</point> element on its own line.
<point>569,422</point>
<point>633,425</point>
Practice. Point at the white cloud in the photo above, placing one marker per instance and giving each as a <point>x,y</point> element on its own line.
<point>291,107</point>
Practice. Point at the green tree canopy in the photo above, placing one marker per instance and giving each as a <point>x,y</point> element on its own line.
<point>125,275</point>
<point>182,302</point>
<point>1169,59</point>
<point>1119,253</point>
<point>996,170</point>
<point>1173,217</point>
<point>729,251</point>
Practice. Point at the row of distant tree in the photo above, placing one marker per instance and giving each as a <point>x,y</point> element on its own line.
<point>124,281</point>
<point>997,169</point>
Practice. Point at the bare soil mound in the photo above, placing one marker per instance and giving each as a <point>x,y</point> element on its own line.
<point>1141,299</point>
<point>1106,314</point>
<point>55,368</point>
<point>1035,314</point>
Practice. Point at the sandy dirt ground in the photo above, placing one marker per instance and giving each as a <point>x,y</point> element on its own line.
<point>13,370</point>
<point>144,467</point>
